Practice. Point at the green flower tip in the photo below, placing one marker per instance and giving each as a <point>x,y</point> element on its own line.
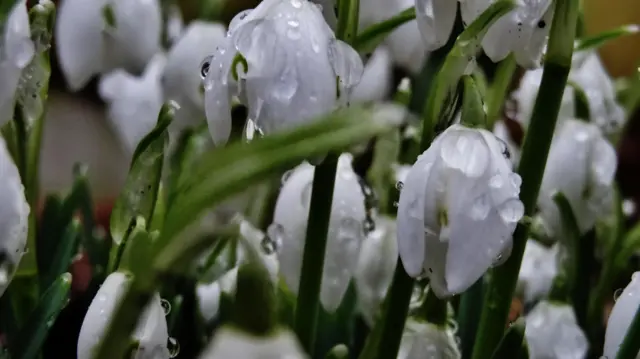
<point>340,351</point>
<point>255,304</point>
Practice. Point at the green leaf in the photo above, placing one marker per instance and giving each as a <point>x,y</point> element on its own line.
<point>469,311</point>
<point>347,28</point>
<point>34,332</point>
<point>499,89</point>
<point>138,198</point>
<point>596,41</point>
<point>137,248</point>
<point>511,344</point>
<point>473,114</point>
<point>66,249</point>
<point>374,35</point>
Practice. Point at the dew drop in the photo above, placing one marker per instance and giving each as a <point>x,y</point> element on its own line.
<point>296,3</point>
<point>205,66</point>
<point>4,276</point>
<point>369,225</point>
<point>496,182</point>
<point>293,23</point>
<point>285,177</point>
<point>515,180</point>
<point>617,294</point>
<point>480,208</point>
<point>173,346</point>
<point>395,204</point>
<point>512,211</point>
<point>399,185</point>
<point>582,136</point>
<point>275,237</point>
<point>166,306</point>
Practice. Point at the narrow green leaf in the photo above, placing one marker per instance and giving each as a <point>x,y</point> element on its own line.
<point>469,312</point>
<point>137,249</point>
<point>138,198</point>
<point>159,210</point>
<point>511,344</point>
<point>499,89</point>
<point>473,114</point>
<point>66,249</point>
<point>368,39</point>
<point>581,102</point>
<point>53,206</point>
<point>347,28</point>
<point>35,330</point>
<point>602,38</point>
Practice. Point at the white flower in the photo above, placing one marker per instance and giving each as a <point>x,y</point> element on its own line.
<point>435,21</point>
<point>621,317</point>
<point>209,294</point>
<point>552,332</point>
<point>16,52</point>
<point>404,43</point>
<point>346,229</point>
<point>296,69</point>
<point>151,331</point>
<point>426,340</point>
<point>133,102</point>
<point>501,131</point>
<point>96,36</point>
<point>538,270</point>
<point>329,12</point>
<point>15,218</point>
<point>232,343</point>
<point>377,78</point>
<point>581,165</point>
<point>458,209</point>
<point>376,264</point>
<point>182,78</point>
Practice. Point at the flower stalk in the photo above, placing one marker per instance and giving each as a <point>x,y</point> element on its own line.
<point>531,169</point>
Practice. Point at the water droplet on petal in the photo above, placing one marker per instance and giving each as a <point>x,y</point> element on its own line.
<point>480,208</point>
<point>496,181</point>
<point>173,346</point>
<point>617,294</point>
<point>515,180</point>
<point>581,136</point>
<point>205,65</point>
<point>512,211</point>
<point>296,3</point>
<point>293,34</point>
<point>285,177</point>
<point>395,204</point>
<point>276,235</point>
<point>399,185</point>
<point>166,306</point>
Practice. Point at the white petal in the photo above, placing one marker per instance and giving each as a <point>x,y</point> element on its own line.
<point>539,268</point>
<point>435,21</point>
<point>471,9</point>
<point>553,332</point>
<point>217,96</point>
<point>501,37</point>
<point>621,316</point>
<point>346,64</point>
<point>529,52</point>
<point>232,343</point>
<point>329,12</point>
<point>376,78</point>
<point>407,48</point>
<point>208,300</point>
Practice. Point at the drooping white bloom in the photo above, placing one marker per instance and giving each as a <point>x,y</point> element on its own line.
<point>377,78</point>
<point>151,332</point>
<point>16,52</point>
<point>209,293</point>
<point>376,264</point>
<point>346,229</point>
<point>14,218</point>
<point>435,21</point>
<point>296,69</point>
<point>404,43</point>
<point>552,332</point>
<point>581,165</point>
<point>458,209</point>
<point>426,340</point>
<point>133,102</point>
<point>329,11</point>
<point>539,268</point>
<point>232,343</point>
<point>182,78</point>
<point>96,36</point>
<point>621,317</point>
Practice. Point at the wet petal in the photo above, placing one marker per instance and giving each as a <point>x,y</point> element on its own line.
<point>347,66</point>
<point>435,21</point>
<point>621,316</point>
<point>502,37</point>
<point>376,78</point>
<point>553,332</point>
<point>539,268</point>
<point>217,96</point>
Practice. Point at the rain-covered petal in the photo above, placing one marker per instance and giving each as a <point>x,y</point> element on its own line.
<point>539,268</point>
<point>133,102</point>
<point>457,229</point>
<point>512,150</point>
<point>376,79</point>
<point>346,229</point>
<point>217,92</point>
<point>209,293</point>
<point>151,331</point>
<point>329,12</point>
<point>96,36</point>
<point>13,218</point>
<point>182,77</point>
<point>426,340</point>
<point>16,52</point>
<point>347,66</point>
<point>553,332</point>
<point>435,20</point>
<point>581,165</point>
<point>621,317</point>
<point>232,343</point>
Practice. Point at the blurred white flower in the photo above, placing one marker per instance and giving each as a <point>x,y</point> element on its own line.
<point>16,52</point>
<point>182,77</point>
<point>621,317</point>
<point>151,331</point>
<point>14,218</point>
<point>454,231</point>
<point>581,165</point>
<point>96,36</point>
<point>425,340</point>
<point>329,12</point>
<point>435,21</point>
<point>538,270</point>
<point>376,79</point>
<point>232,343</point>
<point>405,43</point>
<point>295,68</point>
<point>133,102</point>
<point>501,131</point>
<point>346,229</point>
<point>376,264</point>
<point>552,332</point>
<point>209,294</point>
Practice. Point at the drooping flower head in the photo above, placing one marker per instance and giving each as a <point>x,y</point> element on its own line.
<point>553,332</point>
<point>16,52</point>
<point>458,209</point>
<point>346,229</point>
<point>284,62</point>
<point>539,268</point>
<point>96,36</point>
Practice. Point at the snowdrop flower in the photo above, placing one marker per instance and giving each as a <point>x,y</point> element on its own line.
<point>538,270</point>
<point>16,52</point>
<point>404,43</point>
<point>96,36</point>
<point>290,66</point>
<point>346,229</point>
<point>376,264</point>
<point>14,214</point>
<point>552,332</point>
<point>182,80</point>
<point>377,78</point>
<point>581,165</point>
<point>209,294</point>
<point>621,317</point>
<point>133,102</point>
<point>151,331</point>
<point>328,8</point>
<point>426,340</point>
<point>232,343</point>
<point>458,209</point>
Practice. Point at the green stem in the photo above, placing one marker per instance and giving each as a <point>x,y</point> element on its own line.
<point>469,311</point>
<point>473,114</point>
<point>631,343</point>
<point>433,309</point>
<point>499,89</point>
<point>534,156</point>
